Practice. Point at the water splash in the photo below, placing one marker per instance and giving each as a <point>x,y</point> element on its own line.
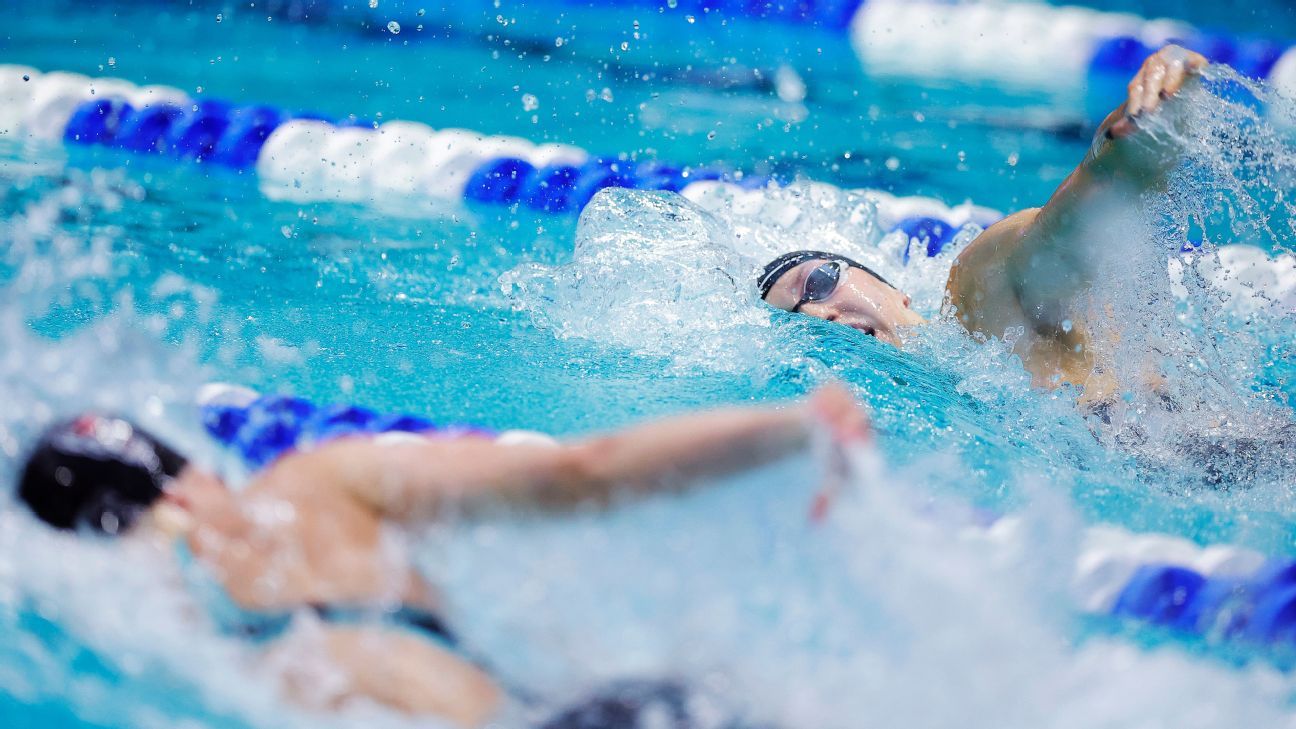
<point>1204,335</point>
<point>885,616</point>
<point>106,632</point>
<point>651,273</point>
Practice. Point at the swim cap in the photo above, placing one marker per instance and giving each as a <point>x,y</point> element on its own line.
<point>98,472</point>
<point>775,269</point>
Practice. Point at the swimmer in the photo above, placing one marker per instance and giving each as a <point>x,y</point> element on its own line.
<point>1028,272</point>
<point>306,536</point>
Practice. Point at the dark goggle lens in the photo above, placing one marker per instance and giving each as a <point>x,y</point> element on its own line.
<point>822,282</point>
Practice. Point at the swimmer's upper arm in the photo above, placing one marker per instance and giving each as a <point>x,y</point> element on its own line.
<point>980,286</point>
<point>390,666</point>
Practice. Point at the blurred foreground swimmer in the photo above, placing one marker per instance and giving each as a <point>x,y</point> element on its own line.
<point>1028,272</point>
<point>309,536</point>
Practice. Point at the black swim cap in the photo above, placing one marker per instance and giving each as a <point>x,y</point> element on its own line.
<point>775,269</point>
<point>98,472</point>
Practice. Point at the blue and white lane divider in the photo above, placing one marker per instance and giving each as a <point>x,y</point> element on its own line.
<point>303,157</point>
<point>1030,45</point>
<point>1041,47</point>
<point>1220,591</point>
<point>261,428</point>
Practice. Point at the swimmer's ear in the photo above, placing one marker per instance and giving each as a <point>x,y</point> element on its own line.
<point>906,301</point>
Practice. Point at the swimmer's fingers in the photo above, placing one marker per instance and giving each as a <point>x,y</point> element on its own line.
<point>1180,64</point>
<point>1162,76</point>
<point>1145,85</point>
<point>836,408</point>
<point>1124,127</point>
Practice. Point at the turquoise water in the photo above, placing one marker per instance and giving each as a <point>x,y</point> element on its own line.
<point>129,281</point>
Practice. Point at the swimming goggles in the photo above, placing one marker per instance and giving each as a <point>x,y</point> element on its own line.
<point>821,283</point>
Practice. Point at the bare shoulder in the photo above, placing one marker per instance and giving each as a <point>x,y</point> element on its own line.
<point>977,264</point>
<point>330,467</point>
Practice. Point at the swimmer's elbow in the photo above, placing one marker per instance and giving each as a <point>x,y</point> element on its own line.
<point>579,473</point>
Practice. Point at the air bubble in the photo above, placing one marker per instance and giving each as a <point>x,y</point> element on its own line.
<point>393,27</point>
<point>530,102</point>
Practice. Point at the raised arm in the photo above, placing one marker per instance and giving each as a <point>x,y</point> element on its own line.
<point>414,481</point>
<point>1028,269</point>
<point>1120,155</point>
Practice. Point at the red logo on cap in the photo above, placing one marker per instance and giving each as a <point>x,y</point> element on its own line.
<point>85,425</point>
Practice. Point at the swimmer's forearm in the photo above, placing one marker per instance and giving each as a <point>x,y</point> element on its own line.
<point>421,481</point>
<point>669,454</point>
<point>1054,257</point>
<point>1119,149</point>
<point>675,452</point>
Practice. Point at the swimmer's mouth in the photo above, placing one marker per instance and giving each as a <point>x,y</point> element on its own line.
<point>866,328</point>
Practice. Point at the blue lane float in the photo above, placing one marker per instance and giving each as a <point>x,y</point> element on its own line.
<point>1079,54</point>
<point>1220,592</point>
<point>261,428</point>
<point>304,157</point>
<point>1070,52</point>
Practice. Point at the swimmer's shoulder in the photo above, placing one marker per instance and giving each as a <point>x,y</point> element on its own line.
<point>979,275</point>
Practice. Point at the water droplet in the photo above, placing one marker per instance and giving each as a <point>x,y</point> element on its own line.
<point>373,4</point>
<point>530,102</point>
<point>421,12</point>
<point>691,20</point>
<point>559,41</point>
<point>26,77</point>
<point>893,163</point>
<point>1066,325</point>
<point>393,27</point>
<point>112,61</point>
<point>220,17</point>
<point>606,95</point>
<point>711,134</point>
<point>625,46</point>
<point>672,4</point>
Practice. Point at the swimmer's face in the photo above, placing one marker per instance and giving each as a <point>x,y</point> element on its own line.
<point>836,292</point>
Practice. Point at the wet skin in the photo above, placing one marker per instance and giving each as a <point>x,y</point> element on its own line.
<point>860,301</point>
<point>1030,272</point>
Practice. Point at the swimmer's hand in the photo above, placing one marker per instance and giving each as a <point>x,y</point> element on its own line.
<point>834,407</point>
<point>1162,76</point>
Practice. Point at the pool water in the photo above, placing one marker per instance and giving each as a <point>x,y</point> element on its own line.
<point>130,281</point>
